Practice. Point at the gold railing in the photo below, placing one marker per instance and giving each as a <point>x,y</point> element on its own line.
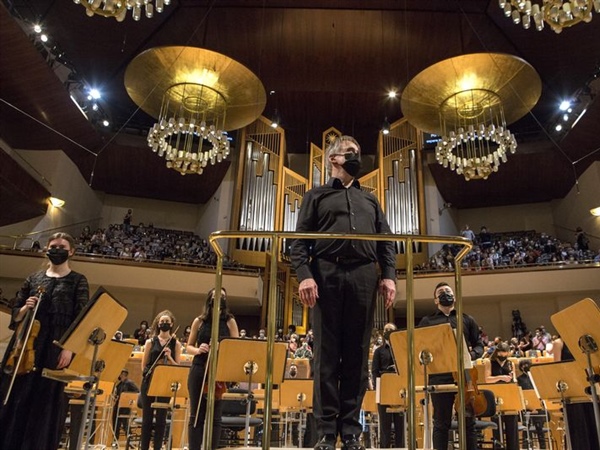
<point>276,238</point>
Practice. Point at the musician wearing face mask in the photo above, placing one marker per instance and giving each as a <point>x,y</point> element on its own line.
<point>443,403</point>
<point>339,280</point>
<point>383,362</point>
<point>35,410</point>
<point>198,344</point>
<point>162,348</point>
<point>498,369</point>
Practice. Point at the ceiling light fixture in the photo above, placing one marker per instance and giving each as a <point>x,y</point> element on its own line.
<point>197,95</point>
<point>275,120</point>
<point>56,202</point>
<point>118,8</point>
<point>558,14</point>
<point>469,100</point>
<point>385,127</point>
<point>595,211</point>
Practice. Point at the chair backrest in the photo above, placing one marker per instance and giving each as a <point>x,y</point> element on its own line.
<point>491,403</point>
<point>236,407</point>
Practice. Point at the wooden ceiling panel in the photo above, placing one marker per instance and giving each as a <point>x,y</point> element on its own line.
<point>329,63</point>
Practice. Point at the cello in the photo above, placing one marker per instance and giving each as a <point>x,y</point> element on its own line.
<point>21,359</point>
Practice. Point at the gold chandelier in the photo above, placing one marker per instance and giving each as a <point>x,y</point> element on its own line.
<point>118,8</point>
<point>197,95</point>
<point>468,101</point>
<point>558,14</point>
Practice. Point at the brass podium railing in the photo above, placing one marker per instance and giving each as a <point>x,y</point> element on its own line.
<point>276,238</point>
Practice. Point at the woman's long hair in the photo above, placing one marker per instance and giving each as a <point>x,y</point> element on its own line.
<point>155,331</point>
<point>209,304</point>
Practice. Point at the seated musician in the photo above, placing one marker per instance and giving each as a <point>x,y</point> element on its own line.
<point>120,415</point>
<point>501,370</point>
<point>537,419</point>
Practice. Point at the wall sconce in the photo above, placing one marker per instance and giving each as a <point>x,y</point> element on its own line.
<point>444,208</point>
<point>595,211</point>
<point>56,202</point>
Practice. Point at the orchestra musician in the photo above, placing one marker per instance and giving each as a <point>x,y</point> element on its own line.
<point>500,370</point>
<point>198,344</point>
<point>164,348</point>
<point>35,410</point>
<point>444,402</point>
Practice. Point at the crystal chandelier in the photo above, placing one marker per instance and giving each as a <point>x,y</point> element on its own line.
<point>468,100</point>
<point>189,133</point>
<point>196,95</point>
<point>118,8</point>
<point>558,14</point>
<point>475,140</point>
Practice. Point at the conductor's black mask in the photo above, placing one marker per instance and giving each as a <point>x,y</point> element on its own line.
<point>352,164</point>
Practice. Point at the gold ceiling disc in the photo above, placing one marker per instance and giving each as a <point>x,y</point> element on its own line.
<point>150,74</point>
<point>489,76</point>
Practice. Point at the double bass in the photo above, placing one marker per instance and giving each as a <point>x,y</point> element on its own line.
<point>21,359</point>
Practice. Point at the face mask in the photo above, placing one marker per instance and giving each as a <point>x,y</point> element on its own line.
<point>57,256</point>
<point>446,299</point>
<point>352,164</point>
<point>501,358</point>
<point>164,326</point>
<point>386,334</point>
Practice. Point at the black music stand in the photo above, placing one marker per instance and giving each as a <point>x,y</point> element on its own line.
<point>434,353</point>
<point>86,337</point>
<point>578,328</point>
<point>169,381</point>
<point>244,360</point>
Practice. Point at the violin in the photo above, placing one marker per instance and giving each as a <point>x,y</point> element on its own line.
<point>21,359</point>
<point>475,401</point>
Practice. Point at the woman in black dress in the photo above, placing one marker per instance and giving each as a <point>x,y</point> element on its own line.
<point>35,413</point>
<point>166,348</point>
<point>199,345</point>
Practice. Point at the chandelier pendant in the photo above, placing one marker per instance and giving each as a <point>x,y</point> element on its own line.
<point>468,101</point>
<point>196,95</point>
<point>558,14</point>
<point>118,8</point>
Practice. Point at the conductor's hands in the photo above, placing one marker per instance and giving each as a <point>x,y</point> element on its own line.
<point>387,288</point>
<point>309,292</point>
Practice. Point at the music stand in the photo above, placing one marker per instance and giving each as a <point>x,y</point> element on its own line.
<point>245,360</point>
<point>297,394</point>
<point>169,381</point>
<point>433,354</point>
<point>560,381</point>
<point>102,316</point>
<point>118,354</point>
<point>578,328</point>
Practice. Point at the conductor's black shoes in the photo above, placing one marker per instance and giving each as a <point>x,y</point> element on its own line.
<point>327,442</point>
<point>351,442</point>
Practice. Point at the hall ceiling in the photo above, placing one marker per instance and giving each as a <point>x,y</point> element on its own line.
<point>329,63</point>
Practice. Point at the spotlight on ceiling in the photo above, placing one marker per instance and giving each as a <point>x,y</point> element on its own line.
<point>595,211</point>
<point>385,127</point>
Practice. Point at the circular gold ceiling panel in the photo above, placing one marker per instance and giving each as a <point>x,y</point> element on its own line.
<point>514,81</point>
